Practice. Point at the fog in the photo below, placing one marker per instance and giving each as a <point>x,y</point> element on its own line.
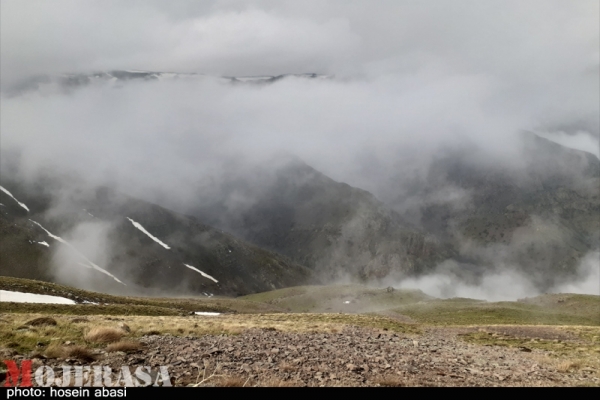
<point>409,78</point>
<point>505,285</point>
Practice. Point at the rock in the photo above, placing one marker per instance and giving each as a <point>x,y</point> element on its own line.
<point>353,368</point>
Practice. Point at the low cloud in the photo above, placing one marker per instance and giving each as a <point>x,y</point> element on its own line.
<point>507,284</point>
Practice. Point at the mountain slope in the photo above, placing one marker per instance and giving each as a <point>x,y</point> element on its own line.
<point>117,78</point>
<point>540,214</point>
<point>146,247</point>
<point>333,228</point>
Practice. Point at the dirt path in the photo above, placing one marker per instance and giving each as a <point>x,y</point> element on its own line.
<point>352,357</point>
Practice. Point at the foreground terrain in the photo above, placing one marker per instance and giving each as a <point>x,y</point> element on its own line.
<point>385,337</point>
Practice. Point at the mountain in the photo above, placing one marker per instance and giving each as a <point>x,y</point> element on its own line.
<point>117,78</point>
<point>538,213</point>
<point>98,238</point>
<point>336,230</point>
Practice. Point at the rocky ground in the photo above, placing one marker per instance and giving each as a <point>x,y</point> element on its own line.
<point>353,356</point>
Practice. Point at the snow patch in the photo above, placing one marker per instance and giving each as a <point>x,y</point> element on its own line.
<point>252,78</point>
<point>20,297</point>
<point>202,273</point>
<point>141,228</point>
<point>10,194</point>
<point>91,264</point>
<point>210,314</point>
<point>44,243</point>
<point>346,302</point>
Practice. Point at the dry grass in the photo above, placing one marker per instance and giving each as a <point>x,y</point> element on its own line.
<point>231,381</point>
<point>103,334</point>
<point>55,351</point>
<point>275,382</point>
<point>125,346</point>
<point>567,366</point>
<point>240,381</point>
<point>41,321</point>
<point>390,381</point>
<point>78,352</point>
<point>81,353</point>
<point>286,367</point>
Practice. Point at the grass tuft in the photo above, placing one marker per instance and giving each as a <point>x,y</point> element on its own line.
<point>77,352</point>
<point>390,381</point>
<point>125,346</point>
<point>42,321</point>
<point>104,335</point>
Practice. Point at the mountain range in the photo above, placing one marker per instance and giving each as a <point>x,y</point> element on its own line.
<point>539,215</point>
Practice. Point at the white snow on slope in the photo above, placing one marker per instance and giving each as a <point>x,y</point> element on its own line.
<point>51,235</point>
<point>86,265</point>
<point>44,243</point>
<point>202,273</point>
<point>10,194</point>
<point>19,297</point>
<point>141,228</point>
<point>210,314</point>
<point>92,265</point>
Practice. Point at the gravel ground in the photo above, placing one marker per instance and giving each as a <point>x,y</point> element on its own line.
<point>352,357</point>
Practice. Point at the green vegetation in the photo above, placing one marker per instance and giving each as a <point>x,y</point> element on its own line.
<point>550,309</point>
<point>336,299</point>
<point>449,312</point>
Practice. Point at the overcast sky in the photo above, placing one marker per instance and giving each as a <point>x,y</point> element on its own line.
<point>528,41</point>
<point>406,71</point>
